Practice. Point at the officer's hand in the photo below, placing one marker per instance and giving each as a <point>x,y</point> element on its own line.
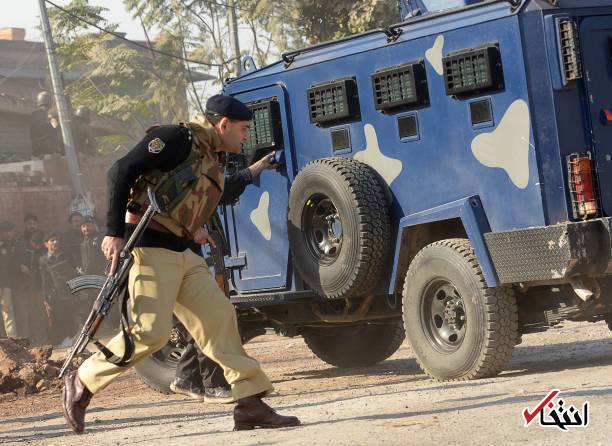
<point>111,248</point>
<point>202,236</point>
<point>266,163</point>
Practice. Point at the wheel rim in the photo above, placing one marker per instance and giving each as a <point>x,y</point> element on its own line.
<point>444,316</point>
<point>322,228</point>
<point>169,355</point>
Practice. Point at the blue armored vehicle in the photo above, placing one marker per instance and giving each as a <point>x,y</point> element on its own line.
<point>448,177</point>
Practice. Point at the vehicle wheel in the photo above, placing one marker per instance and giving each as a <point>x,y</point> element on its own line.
<point>339,230</point>
<point>159,369</point>
<point>458,328</point>
<point>355,346</point>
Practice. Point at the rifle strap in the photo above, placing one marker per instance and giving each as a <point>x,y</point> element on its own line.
<point>128,342</point>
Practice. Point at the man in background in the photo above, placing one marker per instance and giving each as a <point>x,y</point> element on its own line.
<point>57,266</point>
<point>72,238</point>
<point>92,259</point>
<point>46,138</point>
<point>29,316</point>
<point>7,271</point>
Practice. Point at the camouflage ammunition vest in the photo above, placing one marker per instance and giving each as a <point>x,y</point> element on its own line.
<point>188,194</point>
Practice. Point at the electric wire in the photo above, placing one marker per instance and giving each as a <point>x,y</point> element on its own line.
<point>137,44</point>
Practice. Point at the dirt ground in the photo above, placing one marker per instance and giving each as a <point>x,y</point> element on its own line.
<point>391,403</point>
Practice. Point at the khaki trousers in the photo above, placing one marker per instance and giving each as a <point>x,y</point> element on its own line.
<point>8,312</point>
<point>162,281</point>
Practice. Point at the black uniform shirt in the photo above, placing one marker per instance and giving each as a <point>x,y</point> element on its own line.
<point>55,271</point>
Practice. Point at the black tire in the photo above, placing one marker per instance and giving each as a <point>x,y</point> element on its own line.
<point>159,369</point>
<point>355,346</point>
<point>339,227</point>
<point>458,328</point>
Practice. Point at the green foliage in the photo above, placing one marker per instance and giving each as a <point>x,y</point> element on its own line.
<point>115,79</point>
<point>295,23</point>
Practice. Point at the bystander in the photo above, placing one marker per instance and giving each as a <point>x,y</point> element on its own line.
<point>57,266</point>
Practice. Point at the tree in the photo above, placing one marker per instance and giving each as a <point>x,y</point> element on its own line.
<point>274,26</point>
<point>139,87</point>
<point>116,79</point>
<point>314,21</point>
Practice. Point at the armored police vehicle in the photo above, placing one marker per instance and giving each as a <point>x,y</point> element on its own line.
<point>448,177</point>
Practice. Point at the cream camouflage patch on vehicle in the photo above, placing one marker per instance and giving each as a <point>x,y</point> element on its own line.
<point>156,145</point>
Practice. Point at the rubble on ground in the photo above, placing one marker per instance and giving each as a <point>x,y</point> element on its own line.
<point>25,370</point>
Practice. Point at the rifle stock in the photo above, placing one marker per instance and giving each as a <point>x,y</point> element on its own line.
<point>218,254</point>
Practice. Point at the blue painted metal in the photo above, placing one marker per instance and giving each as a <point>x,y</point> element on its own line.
<point>266,260</point>
<point>439,169</point>
<point>472,215</point>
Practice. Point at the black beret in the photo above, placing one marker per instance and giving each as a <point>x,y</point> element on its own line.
<point>229,107</point>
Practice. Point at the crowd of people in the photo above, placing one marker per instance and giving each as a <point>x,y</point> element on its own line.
<point>35,302</point>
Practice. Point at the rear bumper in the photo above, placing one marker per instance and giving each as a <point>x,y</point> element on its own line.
<point>555,252</point>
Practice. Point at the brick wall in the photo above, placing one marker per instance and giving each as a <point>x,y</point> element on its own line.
<point>15,134</point>
<point>52,202</point>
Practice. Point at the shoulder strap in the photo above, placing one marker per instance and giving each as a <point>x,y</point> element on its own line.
<point>128,342</point>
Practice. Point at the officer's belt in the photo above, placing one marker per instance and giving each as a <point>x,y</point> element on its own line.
<point>133,218</point>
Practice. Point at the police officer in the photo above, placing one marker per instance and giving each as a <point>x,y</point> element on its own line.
<point>198,376</point>
<point>7,278</point>
<point>186,164</point>
<point>45,138</point>
<point>32,249</point>
<point>73,236</point>
<point>92,259</point>
<point>81,124</point>
<point>58,266</point>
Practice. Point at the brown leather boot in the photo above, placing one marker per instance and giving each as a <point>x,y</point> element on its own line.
<point>252,412</point>
<point>75,399</point>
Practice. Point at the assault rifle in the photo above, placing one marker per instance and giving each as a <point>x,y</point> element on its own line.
<point>215,230</point>
<point>113,287</point>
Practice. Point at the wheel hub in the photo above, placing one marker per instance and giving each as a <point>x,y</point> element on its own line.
<point>444,316</point>
<point>454,315</point>
<point>323,228</point>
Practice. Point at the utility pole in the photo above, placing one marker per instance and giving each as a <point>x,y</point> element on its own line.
<point>233,34</point>
<point>63,112</point>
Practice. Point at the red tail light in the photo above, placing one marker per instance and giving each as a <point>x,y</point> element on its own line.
<point>582,184</point>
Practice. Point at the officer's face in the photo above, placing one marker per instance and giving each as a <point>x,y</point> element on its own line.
<point>233,134</point>
<point>75,222</point>
<point>31,225</point>
<point>87,228</point>
<point>52,244</point>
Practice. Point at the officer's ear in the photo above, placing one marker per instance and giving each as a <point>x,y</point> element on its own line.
<point>223,124</point>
